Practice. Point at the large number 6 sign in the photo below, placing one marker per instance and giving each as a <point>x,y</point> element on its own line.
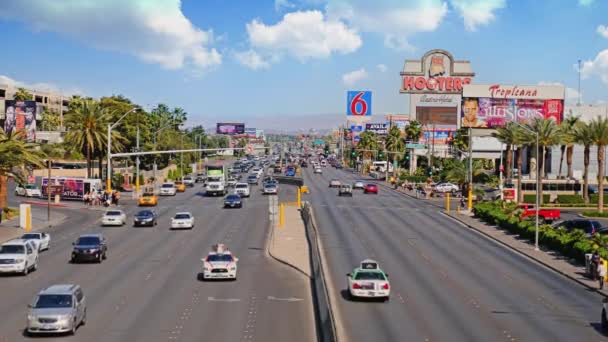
<point>359,103</point>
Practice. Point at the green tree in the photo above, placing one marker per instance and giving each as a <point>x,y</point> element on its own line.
<point>583,135</point>
<point>549,135</point>
<point>17,155</point>
<point>567,146</point>
<point>394,143</point>
<point>599,131</point>
<point>368,142</point>
<point>51,121</point>
<point>23,95</point>
<point>458,171</point>
<point>507,136</point>
<point>87,126</point>
<point>413,131</point>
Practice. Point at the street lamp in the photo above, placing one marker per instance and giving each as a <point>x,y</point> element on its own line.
<point>109,167</point>
<point>537,182</point>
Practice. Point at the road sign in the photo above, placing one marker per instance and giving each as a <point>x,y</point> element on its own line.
<point>416,146</point>
<point>356,128</point>
<point>359,103</point>
<point>356,140</point>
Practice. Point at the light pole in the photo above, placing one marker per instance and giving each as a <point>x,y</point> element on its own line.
<point>154,143</point>
<point>109,166</point>
<point>538,185</point>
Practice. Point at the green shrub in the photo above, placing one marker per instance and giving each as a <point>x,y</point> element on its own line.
<point>570,199</point>
<point>595,213</point>
<point>594,197</point>
<point>531,198</point>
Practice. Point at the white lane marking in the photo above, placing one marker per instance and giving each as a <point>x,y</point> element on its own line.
<point>290,299</point>
<point>148,276</point>
<point>228,300</point>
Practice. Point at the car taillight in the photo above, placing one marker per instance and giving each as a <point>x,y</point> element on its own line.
<point>356,286</point>
<point>385,286</point>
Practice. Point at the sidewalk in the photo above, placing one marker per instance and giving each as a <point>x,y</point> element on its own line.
<point>288,244</point>
<point>9,229</point>
<point>545,257</point>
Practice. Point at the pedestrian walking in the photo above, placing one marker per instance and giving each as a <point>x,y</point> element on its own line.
<point>462,203</point>
<point>86,198</point>
<point>601,272</point>
<point>113,197</point>
<point>117,197</point>
<point>595,262</point>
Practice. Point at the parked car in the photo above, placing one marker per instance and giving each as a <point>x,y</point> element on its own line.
<point>590,227</point>
<point>545,215</point>
<point>30,190</point>
<point>57,309</point>
<point>446,187</point>
<point>42,240</point>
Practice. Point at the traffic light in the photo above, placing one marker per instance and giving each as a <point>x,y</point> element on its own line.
<point>380,155</point>
<point>326,150</point>
<point>353,153</point>
<point>430,171</point>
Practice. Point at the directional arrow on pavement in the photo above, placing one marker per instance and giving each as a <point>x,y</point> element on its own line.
<point>291,299</point>
<point>229,300</point>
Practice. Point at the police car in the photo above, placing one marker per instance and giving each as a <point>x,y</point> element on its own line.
<point>219,263</point>
<point>368,281</point>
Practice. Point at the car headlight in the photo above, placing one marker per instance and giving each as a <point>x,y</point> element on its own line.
<point>93,250</point>
<point>19,260</point>
<point>233,268</point>
<point>64,319</point>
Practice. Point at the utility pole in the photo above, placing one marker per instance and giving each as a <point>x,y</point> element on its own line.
<point>470,187</point>
<point>48,193</point>
<point>137,161</point>
<point>181,161</point>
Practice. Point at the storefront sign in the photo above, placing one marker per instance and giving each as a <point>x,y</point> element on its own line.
<point>509,194</point>
<point>438,136</point>
<point>378,128</point>
<point>359,103</point>
<point>440,99</point>
<point>527,92</point>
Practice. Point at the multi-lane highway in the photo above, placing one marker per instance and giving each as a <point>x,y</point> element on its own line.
<point>147,289</point>
<point>448,283</point>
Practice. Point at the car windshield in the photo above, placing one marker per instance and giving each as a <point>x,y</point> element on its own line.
<point>233,198</point>
<point>31,186</point>
<point>113,213</point>
<point>182,216</point>
<point>30,236</point>
<point>148,194</point>
<point>53,301</point>
<point>88,240</point>
<point>219,257</point>
<point>12,249</point>
<point>369,276</point>
<point>371,185</point>
<point>241,186</point>
<point>144,213</point>
<point>167,185</point>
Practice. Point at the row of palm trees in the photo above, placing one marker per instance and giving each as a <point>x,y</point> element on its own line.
<point>570,132</point>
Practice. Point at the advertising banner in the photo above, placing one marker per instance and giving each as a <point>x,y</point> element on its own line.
<point>55,190</point>
<point>21,116</point>
<point>487,112</point>
<point>230,128</point>
<point>447,116</point>
<point>250,132</point>
<point>378,128</point>
<point>509,194</point>
<point>72,189</point>
<point>359,103</point>
<point>437,136</point>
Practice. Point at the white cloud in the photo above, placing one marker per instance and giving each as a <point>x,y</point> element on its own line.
<point>571,93</point>
<point>585,2</point>
<point>252,60</point>
<point>39,86</point>
<point>303,35</point>
<point>596,67</point>
<point>396,20</point>
<point>353,77</point>
<point>382,67</point>
<point>155,31</point>
<point>603,31</point>
<point>476,13</point>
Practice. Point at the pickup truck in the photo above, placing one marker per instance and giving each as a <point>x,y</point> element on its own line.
<point>544,215</point>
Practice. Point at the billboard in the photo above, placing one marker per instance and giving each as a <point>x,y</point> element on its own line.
<point>378,128</point>
<point>493,106</point>
<point>358,103</point>
<point>73,189</point>
<point>21,116</point>
<point>447,116</point>
<point>438,136</point>
<point>230,128</point>
<point>250,132</point>
<point>437,72</point>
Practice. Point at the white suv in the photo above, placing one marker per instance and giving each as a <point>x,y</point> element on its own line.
<point>167,189</point>
<point>242,189</point>
<point>18,256</point>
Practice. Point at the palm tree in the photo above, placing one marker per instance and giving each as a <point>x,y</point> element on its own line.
<point>507,136</point>
<point>599,131</point>
<point>567,146</point>
<point>23,95</point>
<point>549,135</point>
<point>368,142</point>
<point>519,141</point>
<point>17,154</point>
<point>87,124</point>
<point>394,142</point>
<point>583,135</point>
<point>413,132</point>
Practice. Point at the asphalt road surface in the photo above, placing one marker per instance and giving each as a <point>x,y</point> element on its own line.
<point>448,283</point>
<point>147,289</point>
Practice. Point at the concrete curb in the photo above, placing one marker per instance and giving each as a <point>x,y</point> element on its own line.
<point>525,255</point>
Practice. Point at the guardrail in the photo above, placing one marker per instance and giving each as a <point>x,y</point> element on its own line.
<point>323,309</point>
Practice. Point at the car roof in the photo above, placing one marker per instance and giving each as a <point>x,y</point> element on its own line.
<point>16,242</point>
<point>183,213</point>
<point>97,235</point>
<point>59,289</point>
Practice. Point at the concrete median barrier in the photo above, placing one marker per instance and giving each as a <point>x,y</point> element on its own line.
<point>323,305</point>
<point>298,181</point>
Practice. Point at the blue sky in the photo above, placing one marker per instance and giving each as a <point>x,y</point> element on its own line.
<point>288,63</point>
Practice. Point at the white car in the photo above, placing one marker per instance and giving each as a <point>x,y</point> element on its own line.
<point>368,281</point>
<point>318,170</point>
<point>335,183</point>
<point>219,263</point>
<point>270,189</point>
<point>359,184</point>
<point>42,240</point>
<point>18,256</point>
<point>189,181</point>
<point>114,218</point>
<point>182,220</point>
<point>446,187</point>
<point>242,189</point>
<point>29,190</point>
<point>231,182</point>
<point>167,189</point>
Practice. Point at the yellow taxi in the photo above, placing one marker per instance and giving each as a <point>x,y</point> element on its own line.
<point>180,186</point>
<point>148,198</point>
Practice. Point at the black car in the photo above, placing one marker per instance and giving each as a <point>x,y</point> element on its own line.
<point>233,201</point>
<point>145,218</point>
<point>590,227</point>
<point>89,247</point>
<point>304,164</point>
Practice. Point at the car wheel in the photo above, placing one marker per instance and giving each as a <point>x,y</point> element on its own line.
<point>105,255</point>
<point>99,258</point>
<point>84,318</point>
<point>386,299</point>
<point>74,327</point>
<point>26,269</point>
<point>35,267</point>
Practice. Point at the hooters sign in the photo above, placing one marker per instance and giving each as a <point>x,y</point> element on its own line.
<point>436,73</point>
